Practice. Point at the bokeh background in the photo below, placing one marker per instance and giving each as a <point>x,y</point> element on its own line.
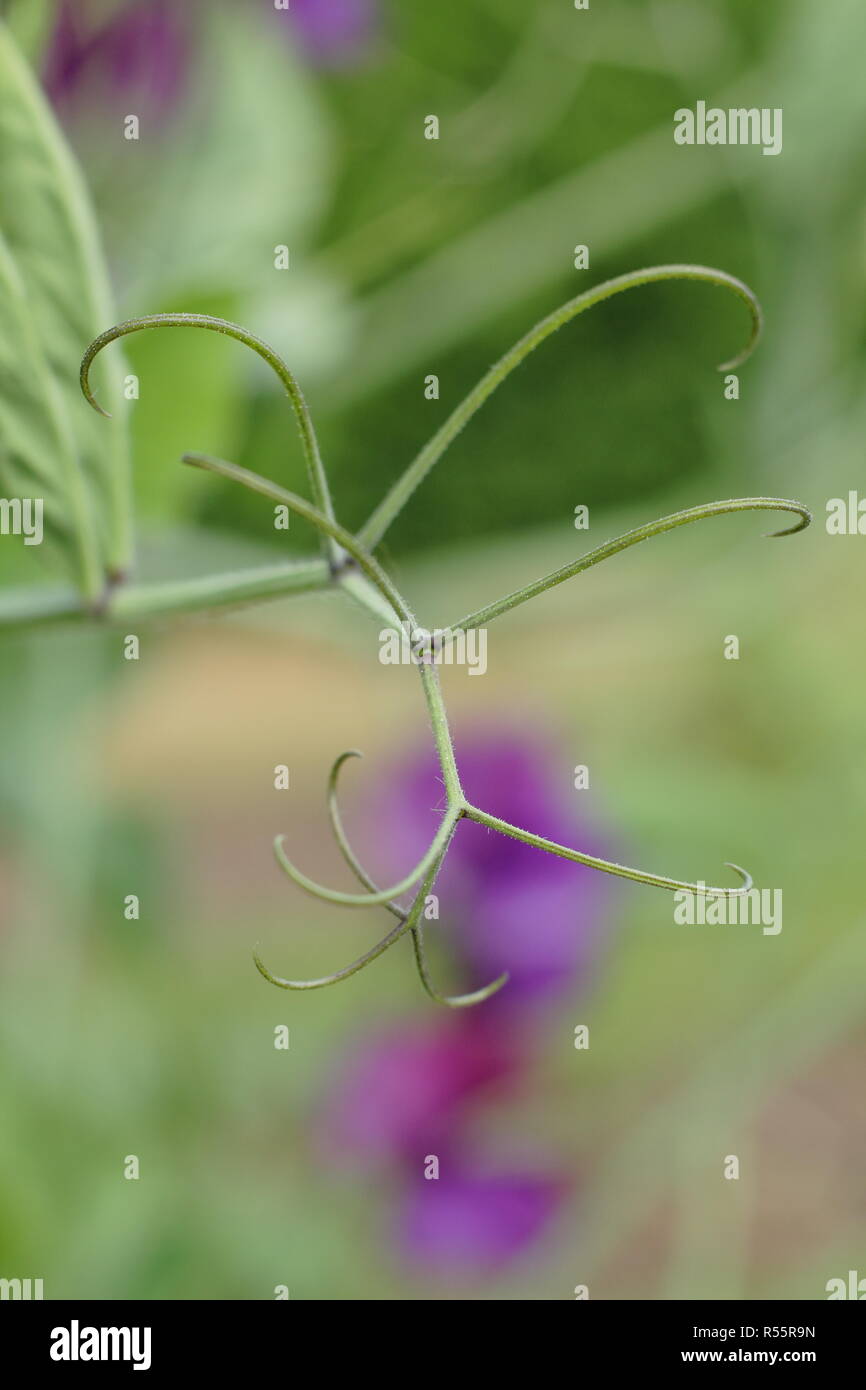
<point>560,1167</point>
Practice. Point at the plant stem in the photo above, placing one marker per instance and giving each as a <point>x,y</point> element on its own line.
<point>360,589</point>
<point>323,523</point>
<point>40,607</point>
<point>441,734</point>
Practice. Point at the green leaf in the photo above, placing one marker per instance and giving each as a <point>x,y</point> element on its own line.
<point>54,299</point>
<point>244,166</point>
<point>30,23</point>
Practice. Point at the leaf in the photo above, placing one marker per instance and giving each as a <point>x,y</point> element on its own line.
<point>30,23</point>
<point>243,167</point>
<point>54,299</point>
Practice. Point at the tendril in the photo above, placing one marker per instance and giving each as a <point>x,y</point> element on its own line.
<point>352,566</point>
<point>375,527</point>
<point>634,537</point>
<point>366,959</point>
<point>342,838</point>
<point>451,1001</point>
<point>454,1001</point>
<point>256,483</point>
<point>312,454</point>
<point>608,866</point>
<point>383,895</point>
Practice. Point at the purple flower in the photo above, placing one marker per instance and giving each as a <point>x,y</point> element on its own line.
<point>333,32</point>
<point>139,51</point>
<point>414,1091</point>
<point>513,907</point>
<point>468,1221</point>
<point>411,1093</point>
<point>404,1089</point>
<point>142,50</point>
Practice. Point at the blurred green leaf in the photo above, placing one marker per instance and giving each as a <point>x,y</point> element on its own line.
<point>245,168</point>
<point>53,300</point>
<point>29,22</point>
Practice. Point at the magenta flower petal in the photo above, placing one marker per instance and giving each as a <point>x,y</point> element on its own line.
<point>139,52</point>
<point>333,32</point>
<point>512,907</point>
<point>401,1092</point>
<point>474,1223</point>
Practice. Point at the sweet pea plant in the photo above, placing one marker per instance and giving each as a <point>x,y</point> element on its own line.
<point>349,564</point>
<point>88,501</point>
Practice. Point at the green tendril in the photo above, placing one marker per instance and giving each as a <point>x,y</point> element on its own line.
<point>607,866</point>
<point>312,454</point>
<point>374,529</point>
<point>352,568</point>
<point>640,533</point>
<point>366,959</point>
<point>453,1001</point>
<point>324,523</point>
<point>384,895</point>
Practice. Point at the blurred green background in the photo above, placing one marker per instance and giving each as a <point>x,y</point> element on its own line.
<point>410,257</point>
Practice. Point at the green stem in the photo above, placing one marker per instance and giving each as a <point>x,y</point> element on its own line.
<point>378,578</point>
<point>324,523</point>
<point>221,590</point>
<point>359,588</point>
<point>34,607</point>
<point>441,732</point>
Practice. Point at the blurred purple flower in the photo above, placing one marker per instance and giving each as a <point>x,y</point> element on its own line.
<point>514,907</point>
<point>142,50</point>
<point>137,50</point>
<point>469,1222</point>
<point>333,32</point>
<point>414,1090</point>
<point>404,1089</point>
